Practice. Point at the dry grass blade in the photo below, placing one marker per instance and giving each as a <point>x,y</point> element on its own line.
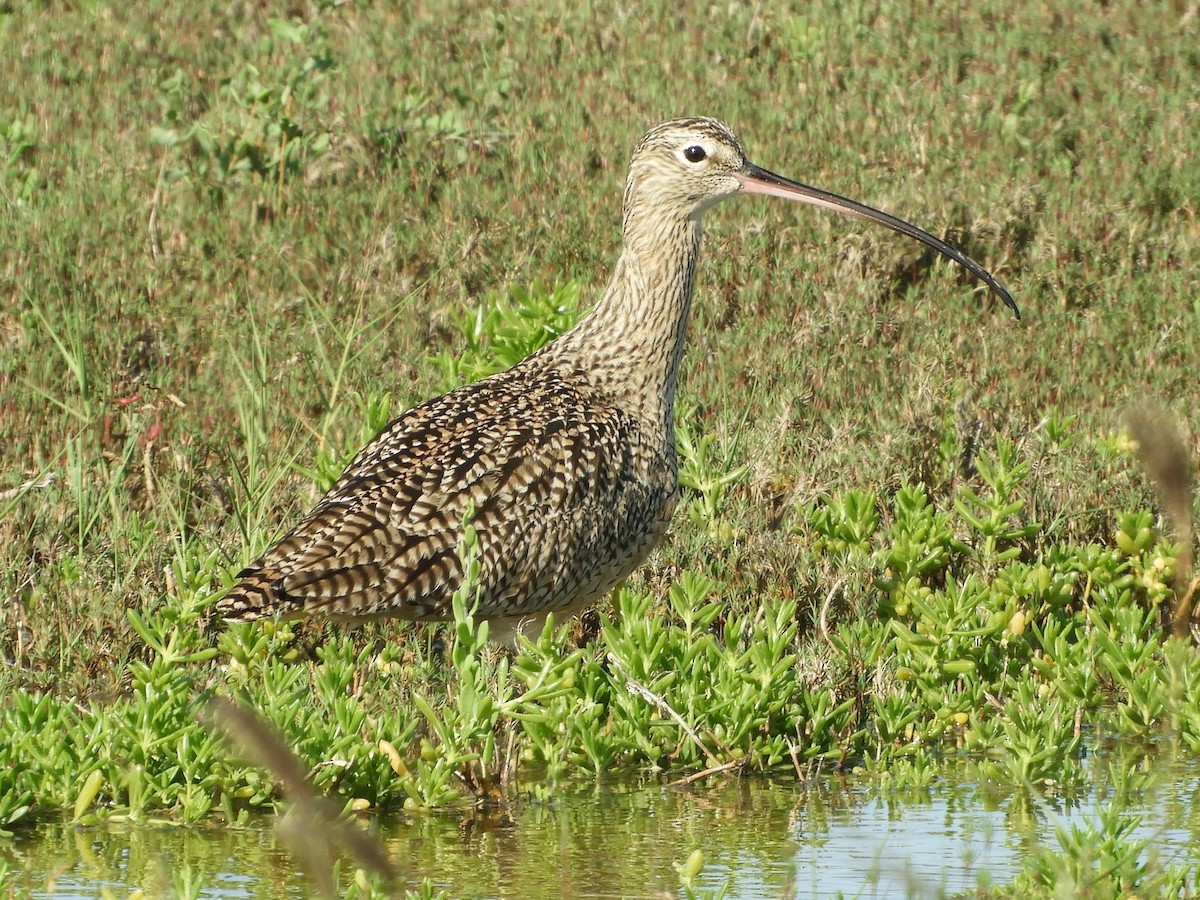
<point>1165,456</point>
<point>688,780</point>
<point>43,481</point>
<point>636,687</point>
<point>313,828</point>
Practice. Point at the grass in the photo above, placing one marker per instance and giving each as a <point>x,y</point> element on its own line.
<point>232,242</point>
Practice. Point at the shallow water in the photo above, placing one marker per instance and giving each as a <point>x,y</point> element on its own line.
<point>767,838</point>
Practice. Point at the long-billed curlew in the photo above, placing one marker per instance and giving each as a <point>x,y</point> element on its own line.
<point>568,458</point>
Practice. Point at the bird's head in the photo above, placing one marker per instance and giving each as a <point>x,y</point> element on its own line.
<point>684,166</point>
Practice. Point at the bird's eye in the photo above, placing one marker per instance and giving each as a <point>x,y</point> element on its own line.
<point>695,153</point>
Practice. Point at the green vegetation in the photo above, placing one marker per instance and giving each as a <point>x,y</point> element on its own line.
<point>914,533</point>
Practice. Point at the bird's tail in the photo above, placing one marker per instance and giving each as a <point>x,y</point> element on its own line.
<point>256,596</point>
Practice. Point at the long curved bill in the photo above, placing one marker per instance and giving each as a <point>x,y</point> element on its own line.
<point>755,180</point>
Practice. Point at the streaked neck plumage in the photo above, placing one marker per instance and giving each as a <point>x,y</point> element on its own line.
<point>631,342</point>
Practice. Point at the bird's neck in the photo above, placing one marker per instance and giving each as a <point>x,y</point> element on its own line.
<point>630,344</point>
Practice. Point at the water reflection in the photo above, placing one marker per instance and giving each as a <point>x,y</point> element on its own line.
<point>768,838</point>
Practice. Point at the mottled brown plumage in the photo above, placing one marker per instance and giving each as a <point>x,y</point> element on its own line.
<point>567,459</point>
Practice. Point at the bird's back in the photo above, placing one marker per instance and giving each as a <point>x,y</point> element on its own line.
<point>566,491</point>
